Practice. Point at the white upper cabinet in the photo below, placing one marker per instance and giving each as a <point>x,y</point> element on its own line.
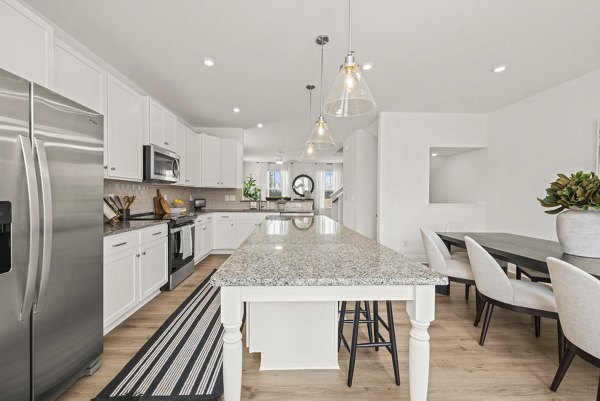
<point>210,161</point>
<point>218,160</point>
<point>123,146</point>
<point>228,163</point>
<point>78,78</point>
<point>192,158</point>
<point>182,152</point>
<point>27,44</point>
<point>162,126</point>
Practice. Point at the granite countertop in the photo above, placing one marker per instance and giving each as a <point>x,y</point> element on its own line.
<point>301,251</point>
<point>124,226</point>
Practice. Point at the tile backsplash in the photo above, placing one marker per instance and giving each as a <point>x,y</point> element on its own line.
<point>145,193</point>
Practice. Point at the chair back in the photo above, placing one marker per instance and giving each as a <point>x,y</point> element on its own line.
<point>489,276</point>
<point>436,251</point>
<point>577,296</point>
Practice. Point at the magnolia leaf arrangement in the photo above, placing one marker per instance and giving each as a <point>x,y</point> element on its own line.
<point>579,191</point>
<point>251,190</point>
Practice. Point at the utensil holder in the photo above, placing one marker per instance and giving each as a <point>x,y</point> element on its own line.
<point>125,214</point>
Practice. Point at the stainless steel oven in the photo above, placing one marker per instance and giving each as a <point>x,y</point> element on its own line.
<point>181,261</point>
<point>160,165</point>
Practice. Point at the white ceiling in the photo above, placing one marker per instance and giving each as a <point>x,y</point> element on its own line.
<point>428,55</point>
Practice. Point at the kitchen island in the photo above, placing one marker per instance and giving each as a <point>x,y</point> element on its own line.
<point>295,271</point>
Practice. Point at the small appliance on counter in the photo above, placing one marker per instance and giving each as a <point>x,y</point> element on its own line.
<point>199,204</point>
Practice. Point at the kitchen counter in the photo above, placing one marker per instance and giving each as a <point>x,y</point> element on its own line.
<point>124,226</point>
<point>325,254</point>
<point>291,274</point>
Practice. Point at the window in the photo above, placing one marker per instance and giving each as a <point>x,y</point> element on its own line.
<point>274,189</point>
<point>328,187</point>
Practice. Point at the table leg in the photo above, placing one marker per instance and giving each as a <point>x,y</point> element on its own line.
<point>231,317</point>
<point>421,311</point>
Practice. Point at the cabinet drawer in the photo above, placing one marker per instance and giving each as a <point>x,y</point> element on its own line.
<point>120,242</point>
<point>153,233</point>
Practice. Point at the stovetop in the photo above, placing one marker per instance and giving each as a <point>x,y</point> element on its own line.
<point>174,219</point>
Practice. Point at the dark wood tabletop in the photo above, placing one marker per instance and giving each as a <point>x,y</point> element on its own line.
<point>522,251</point>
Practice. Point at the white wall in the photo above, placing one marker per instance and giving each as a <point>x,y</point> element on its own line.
<point>238,135</point>
<point>404,142</point>
<point>451,178</point>
<point>360,183</point>
<point>529,143</point>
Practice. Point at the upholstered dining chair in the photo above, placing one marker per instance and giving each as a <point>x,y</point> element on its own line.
<point>578,302</point>
<point>496,289</point>
<point>455,266</point>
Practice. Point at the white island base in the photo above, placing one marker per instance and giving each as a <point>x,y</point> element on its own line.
<point>420,307</point>
<point>293,335</point>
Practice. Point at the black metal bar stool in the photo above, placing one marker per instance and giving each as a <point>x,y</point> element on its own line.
<point>376,340</point>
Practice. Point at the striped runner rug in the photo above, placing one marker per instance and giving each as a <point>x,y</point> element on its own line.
<point>182,361</point>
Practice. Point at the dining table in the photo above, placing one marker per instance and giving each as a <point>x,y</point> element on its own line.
<point>520,250</point>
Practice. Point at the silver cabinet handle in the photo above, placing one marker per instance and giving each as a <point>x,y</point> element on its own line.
<point>138,255</point>
<point>204,229</point>
<point>112,168</point>
<point>224,217</point>
<point>120,244</point>
<point>34,229</point>
<point>166,143</point>
<point>143,253</point>
<point>158,233</point>
<point>47,219</point>
<point>105,167</point>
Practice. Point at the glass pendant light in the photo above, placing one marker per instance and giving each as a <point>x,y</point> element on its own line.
<point>320,136</point>
<point>350,96</point>
<point>310,152</point>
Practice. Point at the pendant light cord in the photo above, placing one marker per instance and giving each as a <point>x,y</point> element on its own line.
<point>321,85</point>
<point>350,27</point>
<point>309,110</point>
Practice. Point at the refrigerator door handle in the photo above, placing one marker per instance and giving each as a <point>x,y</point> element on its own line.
<point>34,228</point>
<point>47,219</point>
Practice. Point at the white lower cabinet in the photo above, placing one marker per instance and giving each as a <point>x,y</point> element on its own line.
<point>135,267</point>
<point>224,231</point>
<point>153,267</point>
<point>203,240</point>
<point>243,229</point>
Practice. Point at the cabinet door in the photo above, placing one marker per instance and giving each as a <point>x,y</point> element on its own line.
<point>156,118</point>
<point>207,238</point>
<point>198,252</point>
<point>124,135</point>
<point>27,44</point>
<point>192,146</point>
<point>228,163</point>
<point>224,233</point>
<point>169,135</point>
<point>119,285</point>
<point>243,229</point>
<point>153,267</point>
<point>210,161</point>
<point>184,172</point>
<point>78,78</point>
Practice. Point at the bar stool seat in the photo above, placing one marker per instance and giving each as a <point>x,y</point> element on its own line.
<point>376,340</point>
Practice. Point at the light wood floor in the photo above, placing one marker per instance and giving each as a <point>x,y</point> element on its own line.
<point>513,365</point>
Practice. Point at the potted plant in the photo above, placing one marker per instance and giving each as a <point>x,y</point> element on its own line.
<point>576,200</point>
<point>251,191</point>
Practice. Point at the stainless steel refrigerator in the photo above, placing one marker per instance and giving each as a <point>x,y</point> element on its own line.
<point>51,188</point>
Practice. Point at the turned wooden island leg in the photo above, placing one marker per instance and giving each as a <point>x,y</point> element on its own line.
<point>421,311</point>
<point>231,317</point>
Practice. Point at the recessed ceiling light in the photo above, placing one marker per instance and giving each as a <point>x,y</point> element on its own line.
<point>367,66</point>
<point>434,155</point>
<point>209,62</point>
<point>236,109</point>
<point>259,125</point>
<point>279,247</point>
<point>500,68</point>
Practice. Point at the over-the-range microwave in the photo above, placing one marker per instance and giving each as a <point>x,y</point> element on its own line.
<point>160,165</point>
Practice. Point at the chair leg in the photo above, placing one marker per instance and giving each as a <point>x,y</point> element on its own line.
<point>392,333</point>
<point>537,321</point>
<point>376,324</point>
<point>598,391</point>
<point>562,368</point>
<point>467,288</point>
<point>354,342</point>
<point>479,312</point>
<point>341,324</point>
<point>486,323</point>
<point>368,316</point>
<point>518,273</point>
<point>561,340</point>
